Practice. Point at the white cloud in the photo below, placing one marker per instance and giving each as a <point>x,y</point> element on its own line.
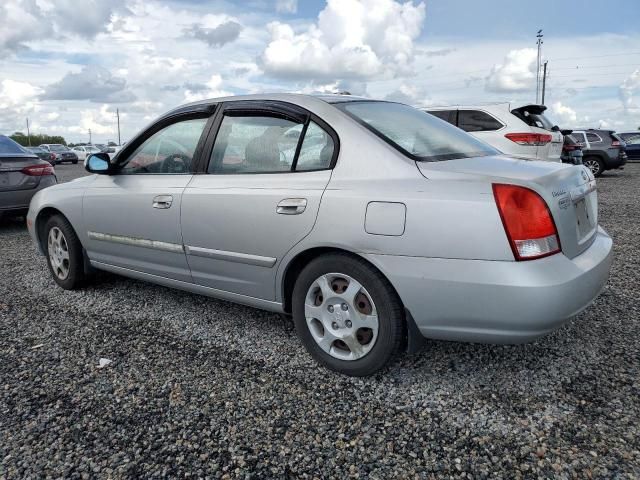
<point>215,30</point>
<point>517,72</point>
<point>563,115</point>
<point>411,95</point>
<point>92,83</point>
<point>286,6</point>
<point>212,90</point>
<point>351,39</point>
<point>102,122</point>
<point>25,21</point>
<point>628,89</point>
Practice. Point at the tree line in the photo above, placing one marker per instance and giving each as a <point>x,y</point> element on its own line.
<point>37,139</point>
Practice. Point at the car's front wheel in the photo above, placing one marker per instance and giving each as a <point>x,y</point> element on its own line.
<point>347,314</point>
<point>594,164</point>
<point>64,253</point>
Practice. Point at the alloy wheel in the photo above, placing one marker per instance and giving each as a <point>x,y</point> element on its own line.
<point>58,253</point>
<point>341,316</point>
<point>592,165</point>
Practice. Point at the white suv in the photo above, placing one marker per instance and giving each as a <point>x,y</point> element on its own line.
<point>522,131</point>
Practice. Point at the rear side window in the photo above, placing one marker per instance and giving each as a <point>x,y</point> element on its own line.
<point>317,149</point>
<point>477,121</point>
<point>533,119</point>
<point>593,138</point>
<point>8,146</point>
<point>266,144</point>
<point>446,115</point>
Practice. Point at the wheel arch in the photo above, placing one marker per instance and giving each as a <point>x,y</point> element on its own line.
<point>413,337</point>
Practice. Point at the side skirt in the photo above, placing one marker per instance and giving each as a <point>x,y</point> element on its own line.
<point>192,287</point>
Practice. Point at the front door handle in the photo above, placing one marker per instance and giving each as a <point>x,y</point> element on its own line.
<point>292,206</point>
<point>162,201</point>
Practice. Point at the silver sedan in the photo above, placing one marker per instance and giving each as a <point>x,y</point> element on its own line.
<point>371,223</point>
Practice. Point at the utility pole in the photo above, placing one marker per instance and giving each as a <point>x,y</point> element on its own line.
<point>89,136</point>
<point>28,133</point>
<point>539,42</point>
<point>118,115</point>
<point>544,80</point>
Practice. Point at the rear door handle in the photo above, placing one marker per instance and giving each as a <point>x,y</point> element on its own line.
<point>162,201</point>
<point>292,206</point>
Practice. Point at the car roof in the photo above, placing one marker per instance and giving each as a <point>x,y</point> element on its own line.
<point>301,99</point>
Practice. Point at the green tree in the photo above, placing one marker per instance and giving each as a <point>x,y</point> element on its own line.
<point>37,139</point>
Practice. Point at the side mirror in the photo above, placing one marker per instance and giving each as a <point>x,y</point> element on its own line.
<point>97,163</point>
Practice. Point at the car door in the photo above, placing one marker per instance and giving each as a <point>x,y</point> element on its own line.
<point>268,167</point>
<point>132,217</point>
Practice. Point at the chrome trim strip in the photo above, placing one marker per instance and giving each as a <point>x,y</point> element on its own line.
<point>231,256</point>
<point>192,287</point>
<point>136,242</point>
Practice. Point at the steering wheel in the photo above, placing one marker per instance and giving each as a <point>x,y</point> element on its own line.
<point>175,163</point>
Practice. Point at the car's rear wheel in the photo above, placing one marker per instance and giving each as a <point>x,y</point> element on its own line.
<point>64,253</point>
<point>75,162</point>
<point>347,314</point>
<point>594,164</point>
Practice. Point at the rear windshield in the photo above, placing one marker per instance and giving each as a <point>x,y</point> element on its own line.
<point>58,148</point>
<point>8,146</point>
<point>533,119</point>
<point>416,133</point>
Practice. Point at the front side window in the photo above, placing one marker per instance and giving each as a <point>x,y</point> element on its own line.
<point>477,121</point>
<point>416,133</point>
<point>169,151</point>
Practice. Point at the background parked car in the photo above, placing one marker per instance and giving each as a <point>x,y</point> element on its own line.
<point>601,149</point>
<point>522,131</point>
<point>43,154</point>
<point>571,150</point>
<point>62,152</point>
<point>632,148</point>
<point>628,136</point>
<point>83,151</point>
<point>22,174</point>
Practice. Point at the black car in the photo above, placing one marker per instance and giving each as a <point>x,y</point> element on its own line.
<point>43,154</point>
<point>633,148</point>
<point>601,149</point>
<point>571,150</point>
<point>62,152</point>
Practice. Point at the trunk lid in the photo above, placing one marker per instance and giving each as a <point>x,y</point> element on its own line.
<point>11,176</point>
<point>569,191</point>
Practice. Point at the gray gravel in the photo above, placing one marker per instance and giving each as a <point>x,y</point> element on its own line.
<point>206,388</point>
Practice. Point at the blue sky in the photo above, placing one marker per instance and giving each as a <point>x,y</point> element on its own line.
<point>69,64</point>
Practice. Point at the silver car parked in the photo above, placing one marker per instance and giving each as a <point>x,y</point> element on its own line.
<point>22,174</point>
<point>372,223</point>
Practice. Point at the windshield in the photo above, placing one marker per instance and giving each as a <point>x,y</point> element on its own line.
<point>415,133</point>
<point>58,148</point>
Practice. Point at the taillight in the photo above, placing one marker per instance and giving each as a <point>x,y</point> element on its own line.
<point>571,148</point>
<point>531,139</point>
<point>615,143</point>
<point>38,170</point>
<point>52,156</point>
<point>527,222</point>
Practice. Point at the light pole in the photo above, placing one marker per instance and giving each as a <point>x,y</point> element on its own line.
<point>89,136</point>
<point>539,42</point>
<point>28,133</point>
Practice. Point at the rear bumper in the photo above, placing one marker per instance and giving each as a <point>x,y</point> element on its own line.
<point>18,200</point>
<point>497,301</point>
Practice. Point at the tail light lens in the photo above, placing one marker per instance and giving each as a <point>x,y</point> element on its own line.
<point>38,170</point>
<point>530,139</point>
<point>52,156</point>
<point>615,143</point>
<point>527,222</point>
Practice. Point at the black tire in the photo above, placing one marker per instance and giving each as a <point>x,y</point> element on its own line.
<point>388,304</point>
<point>75,162</point>
<point>594,164</point>
<point>76,277</point>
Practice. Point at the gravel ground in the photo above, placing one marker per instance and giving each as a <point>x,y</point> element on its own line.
<point>202,387</point>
